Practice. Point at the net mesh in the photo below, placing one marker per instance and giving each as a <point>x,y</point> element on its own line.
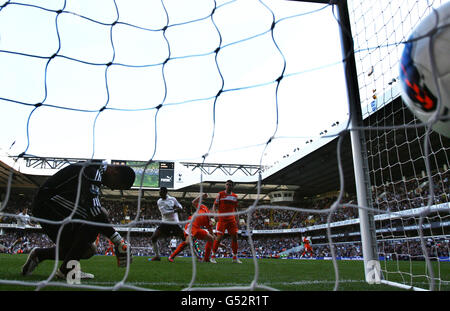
<point>403,158</point>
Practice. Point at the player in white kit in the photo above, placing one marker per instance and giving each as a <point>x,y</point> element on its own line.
<point>23,220</point>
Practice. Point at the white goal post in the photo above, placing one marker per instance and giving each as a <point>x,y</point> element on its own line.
<point>371,57</point>
<point>366,220</point>
<point>364,172</point>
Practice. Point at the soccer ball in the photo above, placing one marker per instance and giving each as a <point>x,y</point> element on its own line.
<point>418,82</point>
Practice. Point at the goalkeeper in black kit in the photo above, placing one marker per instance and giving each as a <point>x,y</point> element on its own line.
<point>74,192</point>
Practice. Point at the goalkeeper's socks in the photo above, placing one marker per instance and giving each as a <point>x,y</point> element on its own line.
<point>45,253</point>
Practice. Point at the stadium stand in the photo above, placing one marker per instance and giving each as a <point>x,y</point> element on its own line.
<point>278,222</point>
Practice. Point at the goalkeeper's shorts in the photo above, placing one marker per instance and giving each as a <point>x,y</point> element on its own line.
<point>71,231</point>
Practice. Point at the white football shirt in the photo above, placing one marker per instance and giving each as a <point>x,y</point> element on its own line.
<point>167,208</point>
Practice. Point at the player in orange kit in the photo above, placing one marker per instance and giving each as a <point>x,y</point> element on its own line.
<point>227,202</point>
<point>197,230</point>
<point>110,248</point>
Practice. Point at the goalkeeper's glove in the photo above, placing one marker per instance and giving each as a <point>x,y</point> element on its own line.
<point>121,253</point>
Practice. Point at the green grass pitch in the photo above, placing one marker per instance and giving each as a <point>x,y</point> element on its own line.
<point>280,274</point>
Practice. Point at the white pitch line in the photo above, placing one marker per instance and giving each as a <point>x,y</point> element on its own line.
<point>225,284</point>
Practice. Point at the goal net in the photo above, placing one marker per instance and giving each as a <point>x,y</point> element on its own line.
<point>239,81</point>
<point>407,167</point>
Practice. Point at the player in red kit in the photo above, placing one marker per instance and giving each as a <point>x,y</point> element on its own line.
<point>110,248</point>
<point>200,229</point>
<point>307,247</point>
<point>226,202</point>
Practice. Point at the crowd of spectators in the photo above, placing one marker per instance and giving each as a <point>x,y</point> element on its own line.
<point>14,204</point>
<point>389,197</point>
<point>264,247</point>
<point>411,193</point>
<point>412,249</point>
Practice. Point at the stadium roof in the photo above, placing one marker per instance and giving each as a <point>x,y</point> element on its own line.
<point>313,174</point>
<point>19,180</point>
<point>318,173</point>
